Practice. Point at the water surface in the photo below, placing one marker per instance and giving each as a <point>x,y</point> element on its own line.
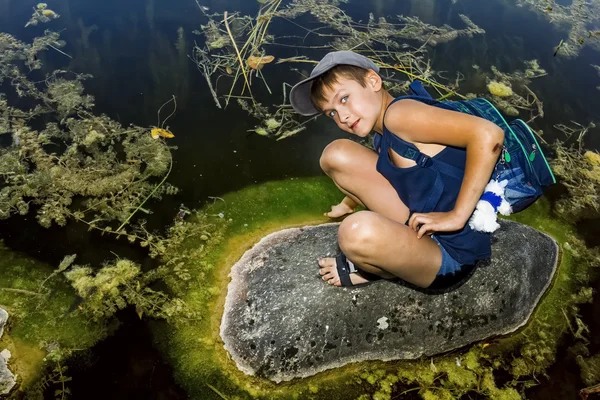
<point>130,49</point>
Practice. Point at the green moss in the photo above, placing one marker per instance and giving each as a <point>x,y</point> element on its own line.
<point>196,349</point>
<point>40,317</point>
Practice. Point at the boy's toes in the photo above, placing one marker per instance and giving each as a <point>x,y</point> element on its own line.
<point>335,281</point>
<point>328,271</point>
<point>328,275</point>
<point>326,262</point>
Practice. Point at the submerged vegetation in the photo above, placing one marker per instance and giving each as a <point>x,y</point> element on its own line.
<point>70,168</point>
<point>63,163</point>
<point>76,166</point>
<point>580,17</point>
<point>581,177</point>
<point>232,44</point>
<point>46,323</point>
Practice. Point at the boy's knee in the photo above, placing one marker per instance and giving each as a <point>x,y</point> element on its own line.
<point>335,155</point>
<point>357,232</point>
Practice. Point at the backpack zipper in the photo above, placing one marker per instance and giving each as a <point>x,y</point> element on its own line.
<point>532,154</point>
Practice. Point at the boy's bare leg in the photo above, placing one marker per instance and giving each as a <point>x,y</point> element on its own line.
<point>352,168</point>
<point>384,247</point>
<point>390,248</point>
<point>345,207</point>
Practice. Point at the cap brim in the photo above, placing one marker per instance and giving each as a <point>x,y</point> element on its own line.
<point>300,97</point>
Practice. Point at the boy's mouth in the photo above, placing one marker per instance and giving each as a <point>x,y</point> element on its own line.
<point>354,124</point>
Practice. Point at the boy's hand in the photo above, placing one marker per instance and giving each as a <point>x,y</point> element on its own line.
<point>339,210</point>
<point>429,223</point>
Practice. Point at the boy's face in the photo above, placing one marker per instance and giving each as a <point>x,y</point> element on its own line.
<point>354,108</point>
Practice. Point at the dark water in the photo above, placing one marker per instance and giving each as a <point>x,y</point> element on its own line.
<point>129,48</point>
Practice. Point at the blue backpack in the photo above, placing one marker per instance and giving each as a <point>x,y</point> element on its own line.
<point>522,161</point>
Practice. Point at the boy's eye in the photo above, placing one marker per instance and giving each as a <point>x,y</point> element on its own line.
<point>332,113</point>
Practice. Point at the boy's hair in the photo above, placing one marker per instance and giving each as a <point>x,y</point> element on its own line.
<point>330,78</point>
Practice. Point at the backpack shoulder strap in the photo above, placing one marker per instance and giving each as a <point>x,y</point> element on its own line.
<point>410,151</point>
<point>416,89</point>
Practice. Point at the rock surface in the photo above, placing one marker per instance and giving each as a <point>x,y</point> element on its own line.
<point>3,319</point>
<point>281,321</point>
<point>7,379</point>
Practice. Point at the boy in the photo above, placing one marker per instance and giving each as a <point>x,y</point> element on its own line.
<point>416,224</point>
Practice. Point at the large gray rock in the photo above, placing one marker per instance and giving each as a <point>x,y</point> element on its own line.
<point>7,379</point>
<point>281,321</point>
<point>3,319</point>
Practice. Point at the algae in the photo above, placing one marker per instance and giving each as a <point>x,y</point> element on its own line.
<point>197,352</point>
<point>500,89</point>
<point>44,318</point>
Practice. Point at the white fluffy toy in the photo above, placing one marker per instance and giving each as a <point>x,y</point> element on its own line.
<point>484,217</point>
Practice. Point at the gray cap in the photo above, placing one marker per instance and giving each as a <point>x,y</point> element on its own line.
<point>300,94</point>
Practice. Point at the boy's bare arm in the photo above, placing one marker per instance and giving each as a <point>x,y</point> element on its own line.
<point>420,123</point>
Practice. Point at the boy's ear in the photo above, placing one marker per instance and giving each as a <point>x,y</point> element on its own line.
<point>374,80</point>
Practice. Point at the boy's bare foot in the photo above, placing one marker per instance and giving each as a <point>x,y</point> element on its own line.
<point>339,210</point>
<point>329,273</point>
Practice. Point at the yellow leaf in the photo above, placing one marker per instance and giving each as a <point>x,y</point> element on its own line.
<point>156,132</point>
<point>259,62</point>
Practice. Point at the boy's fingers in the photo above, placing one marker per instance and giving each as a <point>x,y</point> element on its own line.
<point>411,220</point>
<point>423,231</point>
<point>418,222</point>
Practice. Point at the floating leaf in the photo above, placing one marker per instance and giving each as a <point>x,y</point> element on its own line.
<point>156,132</point>
<point>259,62</point>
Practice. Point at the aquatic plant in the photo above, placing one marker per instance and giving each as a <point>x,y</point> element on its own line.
<point>499,89</point>
<point>74,154</point>
<point>280,124</point>
<point>119,284</point>
<point>45,324</point>
<point>580,175</point>
<point>353,35</point>
<point>41,14</point>
<point>577,16</point>
<point>385,42</point>
<point>510,91</point>
<point>84,167</point>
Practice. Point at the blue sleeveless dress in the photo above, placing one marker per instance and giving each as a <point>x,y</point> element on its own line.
<point>432,186</point>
